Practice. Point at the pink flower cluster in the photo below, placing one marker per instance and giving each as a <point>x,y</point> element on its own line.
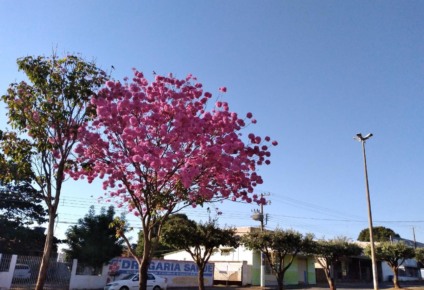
<point>156,145</point>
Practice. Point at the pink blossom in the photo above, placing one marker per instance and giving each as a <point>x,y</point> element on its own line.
<point>161,138</point>
<point>110,84</point>
<point>137,158</point>
<point>223,89</point>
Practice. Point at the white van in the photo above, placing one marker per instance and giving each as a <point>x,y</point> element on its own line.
<point>22,271</point>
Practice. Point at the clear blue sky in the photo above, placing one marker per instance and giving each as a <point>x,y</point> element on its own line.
<point>314,73</point>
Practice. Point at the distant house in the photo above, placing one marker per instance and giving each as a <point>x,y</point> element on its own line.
<point>242,266</point>
<point>349,269</point>
<point>359,268</point>
<point>410,270</point>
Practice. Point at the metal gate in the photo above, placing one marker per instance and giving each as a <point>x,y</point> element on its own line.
<point>26,273</point>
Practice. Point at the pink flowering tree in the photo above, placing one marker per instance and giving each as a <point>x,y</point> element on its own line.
<point>159,149</point>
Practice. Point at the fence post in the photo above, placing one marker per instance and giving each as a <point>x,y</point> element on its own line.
<point>73,274</point>
<point>6,277</point>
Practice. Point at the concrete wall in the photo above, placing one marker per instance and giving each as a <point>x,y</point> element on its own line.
<point>233,273</point>
<point>87,281</point>
<point>6,277</point>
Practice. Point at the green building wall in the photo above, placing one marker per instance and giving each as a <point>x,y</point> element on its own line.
<point>291,276</point>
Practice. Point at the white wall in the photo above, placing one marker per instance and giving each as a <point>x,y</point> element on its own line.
<point>387,271</point>
<point>239,254</point>
<point>6,277</point>
<point>87,281</point>
<point>237,262</point>
<point>178,256</point>
<point>233,272</point>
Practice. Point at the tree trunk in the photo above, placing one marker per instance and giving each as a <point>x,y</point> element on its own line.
<point>42,273</point>
<point>142,273</point>
<point>280,281</point>
<point>331,284</point>
<point>330,279</point>
<point>143,266</point>
<point>53,202</point>
<point>395,278</point>
<point>279,275</point>
<point>201,279</point>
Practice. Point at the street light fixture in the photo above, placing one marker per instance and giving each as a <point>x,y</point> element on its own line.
<point>363,139</point>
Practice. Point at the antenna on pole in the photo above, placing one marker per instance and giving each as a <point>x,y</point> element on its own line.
<point>258,215</point>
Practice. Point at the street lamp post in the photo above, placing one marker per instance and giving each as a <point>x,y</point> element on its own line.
<point>363,139</point>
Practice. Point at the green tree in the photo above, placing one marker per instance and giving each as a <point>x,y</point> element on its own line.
<point>20,205</point>
<point>419,255</point>
<point>394,254</point>
<point>159,248</point>
<point>47,112</point>
<point>92,241</point>
<point>280,248</point>
<point>329,252</point>
<point>19,201</point>
<point>21,240</point>
<point>199,240</point>
<point>381,234</point>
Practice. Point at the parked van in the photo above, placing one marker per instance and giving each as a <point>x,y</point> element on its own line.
<point>22,271</point>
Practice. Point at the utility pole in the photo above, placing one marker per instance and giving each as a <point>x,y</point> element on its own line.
<point>415,241</point>
<point>260,216</point>
<point>362,139</point>
<point>262,254</point>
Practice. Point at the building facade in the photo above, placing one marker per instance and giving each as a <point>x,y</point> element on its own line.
<point>243,266</point>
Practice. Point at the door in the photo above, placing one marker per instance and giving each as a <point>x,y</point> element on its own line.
<point>302,266</point>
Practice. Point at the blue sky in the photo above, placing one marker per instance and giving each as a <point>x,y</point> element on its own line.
<point>314,73</point>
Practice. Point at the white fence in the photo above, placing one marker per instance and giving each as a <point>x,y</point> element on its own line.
<point>63,276</point>
<point>87,281</point>
<point>20,272</point>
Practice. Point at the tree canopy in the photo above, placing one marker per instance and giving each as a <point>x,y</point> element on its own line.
<point>22,240</point>
<point>394,254</point>
<point>92,241</point>
<point>330,251</point>
<point>46,113</point>
<point>381,234</point>
<point>419,255</point>
<point>280,248</point>
<point>157,146</point>
<point>200,240</point>
<point>159,247</point>
<point>20,202</point>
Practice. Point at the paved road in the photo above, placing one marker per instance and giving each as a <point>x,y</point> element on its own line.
<point>418,285</point>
